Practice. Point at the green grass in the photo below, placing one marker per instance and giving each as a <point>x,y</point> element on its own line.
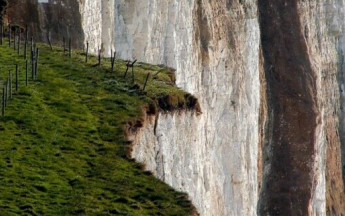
<point>62,148</point>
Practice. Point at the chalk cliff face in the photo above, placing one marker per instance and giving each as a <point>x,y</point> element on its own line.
<point>248,153</point>
<point>269,78</point>
<point>215,48</point>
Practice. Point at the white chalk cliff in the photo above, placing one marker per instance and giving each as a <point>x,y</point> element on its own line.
<point>269,78</point>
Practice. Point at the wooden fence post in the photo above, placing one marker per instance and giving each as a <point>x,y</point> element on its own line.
<point>99,57</point>
<point>2,33</point>
<point>113,63</point>
<point>9,35</point>
<point>17,78</point>
<point>19,40</point>
<point>3,100</point>
<point>6,92</point>
<point>36,62</point>
<point>70,47</point>
<point>26,40</point>
<point>133,80</point>
<point>64,44</point>
<point>132,66</point>
<point>10,83</point>
<point>87,51</point>
<point>32,65</point>
<point>32,43</point>
<point>127,66</point>
<point>147,78</point>
<point>14,39</point>
<point>50,43</point>
<point>26,73</point>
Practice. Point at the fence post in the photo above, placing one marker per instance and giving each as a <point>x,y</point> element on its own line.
<point>17,78</point>
<point>10,83</point>
<point>87,51</point>
<point>99,57</point>
<point>9,35</point>
<point>147,78</point>
<point>69,47</point>
<point>14,39</point>
<point>6,92</point>
<point>26,40</point>
<point>19,40</point>
<point>113,62</point>
<point>3,100</point>
<point>132,66</point>
<point>32,65</point>
<point>26,73</point>
<point>36,62</point>
<point>32,43</point>
<point>133,74</point>
<point>2,33</point>
<point>50,43</point>
<point>127,65</point>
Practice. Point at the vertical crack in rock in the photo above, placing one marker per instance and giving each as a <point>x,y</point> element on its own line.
<point>291,88</point>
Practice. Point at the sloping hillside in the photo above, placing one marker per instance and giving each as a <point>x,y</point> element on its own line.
<point>63,149</point>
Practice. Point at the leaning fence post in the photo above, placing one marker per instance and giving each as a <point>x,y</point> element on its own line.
<point>127,65</point>
<point>147,78</point>
<point>10,83</point>
<point>26,73</point>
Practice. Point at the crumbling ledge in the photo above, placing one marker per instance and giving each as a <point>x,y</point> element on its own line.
<point>159,140</point>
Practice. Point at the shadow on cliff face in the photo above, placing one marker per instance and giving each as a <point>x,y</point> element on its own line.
<point>291,90</point>
<point>60,19</point>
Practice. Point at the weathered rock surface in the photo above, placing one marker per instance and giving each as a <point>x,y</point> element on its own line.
<point>270,137</point>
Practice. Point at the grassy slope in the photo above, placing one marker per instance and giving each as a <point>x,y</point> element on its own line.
<point>62,150</point>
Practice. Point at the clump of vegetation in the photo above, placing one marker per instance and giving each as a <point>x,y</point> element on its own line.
<point>63,149</point>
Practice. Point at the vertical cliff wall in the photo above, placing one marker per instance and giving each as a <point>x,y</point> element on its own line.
<point>302,50</point>
<point>269,76</point>
<point>214,45</point>
<point>98,25</point>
